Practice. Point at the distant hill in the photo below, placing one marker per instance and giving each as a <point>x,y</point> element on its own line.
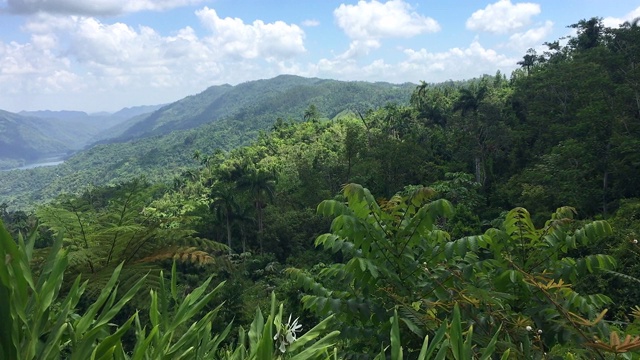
<point>31,136</point>
<point>26,139</point>
<point>86,129</point>
<point>121,120</point>
<point>61,115</point>
<point>161,144</point>
<point>261,102</point>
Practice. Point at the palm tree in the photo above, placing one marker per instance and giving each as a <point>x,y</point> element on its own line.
<point>225,206</point>
<point>469,101</point>
<point>197,155</point>
<point>311,114</point>
<point>529,60</point>
<point>241,219</point>
<point>260,184</point>
<point>432,102</point>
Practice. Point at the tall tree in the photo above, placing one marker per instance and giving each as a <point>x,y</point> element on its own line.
<point>589,33</point>
<point>224,204</point>
<point>260,185</point>
<point>311,113</point>
<point>530,60</point>
<point>468,104</point>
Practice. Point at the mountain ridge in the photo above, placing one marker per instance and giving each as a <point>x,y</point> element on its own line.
<point>221,101</point>
<point>30,136</point>
<point>225,118</point>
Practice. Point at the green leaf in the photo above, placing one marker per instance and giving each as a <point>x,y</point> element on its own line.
<point>489,350</point>
<point>396,345</point>
<point>319,347</point>
<point>174,282</point>
<point>105,349</point>
<point>255,331</point>
<point>311,334</point>
<point>423,350</point>
<point>455,335</point>
<point>438,342</point>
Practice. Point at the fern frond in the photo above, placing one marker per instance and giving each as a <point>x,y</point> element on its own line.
<point>187,255</point>
<point>622,276</point>
<point>307,282</point>
<point>203,244</point>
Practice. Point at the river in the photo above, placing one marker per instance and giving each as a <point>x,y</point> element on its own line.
<point>48,162</point>
<point>41,164</point>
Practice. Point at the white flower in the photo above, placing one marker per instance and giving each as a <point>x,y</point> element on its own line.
<point>529,328</point>
<point>287,334</point>
<point>635,241</point>
<point>292,329</point>
<point>539,331</point>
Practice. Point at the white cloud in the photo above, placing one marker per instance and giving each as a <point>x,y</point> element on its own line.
<point>33,67</point>
<point>502,17</point>
<point>96,63</point>
<point>358,48</point>
<point>43,23</point>
<point>93,7</point>
<point>156,5</point>
<point>530,38</point>
<point>368,22</point>
<point>66,55</point>
<point>233,37</point>
<point>614,22</point>
<point>376,20</point>
<point>473,61</point>
<point>455,63</point>
<point>311,23</point>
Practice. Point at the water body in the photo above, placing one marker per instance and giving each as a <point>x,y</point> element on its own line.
<point>48,162</point>
<point>41,164</point>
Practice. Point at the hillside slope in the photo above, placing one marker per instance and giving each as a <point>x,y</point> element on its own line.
<point>79,129</point>
<point>158,147</point>
<point>26,139</point>
<point>261,102</point>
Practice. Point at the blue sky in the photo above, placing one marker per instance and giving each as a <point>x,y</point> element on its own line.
<point>103,55</point>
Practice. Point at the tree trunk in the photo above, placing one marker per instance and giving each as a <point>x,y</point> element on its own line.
<point>260,224</point>
<point>228,234</point>
<point>478,165</point>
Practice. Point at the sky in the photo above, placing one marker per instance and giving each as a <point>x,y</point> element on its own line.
<point>103,55</point>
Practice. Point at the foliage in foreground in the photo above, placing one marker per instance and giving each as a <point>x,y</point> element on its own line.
<point>511,288</point>
<point>514,283</point>
<point>37,324</point>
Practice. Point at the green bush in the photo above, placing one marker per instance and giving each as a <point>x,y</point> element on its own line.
<point>38,324</point>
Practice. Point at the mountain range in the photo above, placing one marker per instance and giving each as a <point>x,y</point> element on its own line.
<point>158,142</point>
<point>33,136</point>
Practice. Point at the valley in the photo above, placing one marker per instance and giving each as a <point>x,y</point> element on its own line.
<point>306,218</point>
<point>161,143</point>
<point>52,161</point>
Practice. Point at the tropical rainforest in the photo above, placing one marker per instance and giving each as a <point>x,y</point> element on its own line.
<point>292,218</point>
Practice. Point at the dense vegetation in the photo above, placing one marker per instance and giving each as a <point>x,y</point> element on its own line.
<point>494,218</point>
<point>160,144</point>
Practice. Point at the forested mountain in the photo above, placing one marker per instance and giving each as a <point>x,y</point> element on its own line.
<point>26,139</point>
<point>85,129</point>
<point>230,117</point>
<point>492,218</point>
<point>100,120</point>
<point>262,101</point>
<point>31,136</point>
